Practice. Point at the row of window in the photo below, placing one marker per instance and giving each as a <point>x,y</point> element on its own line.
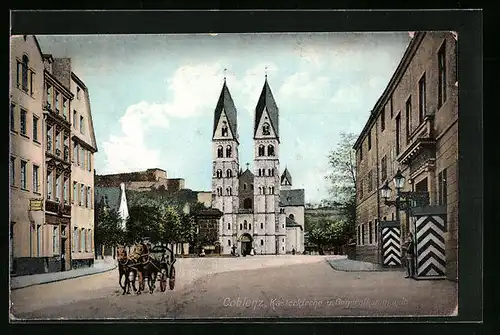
<point>23,181</point>
<point>220,151</point>
<point>229,173</point>
<point>372,233</point>
<point>82,157</point>
<point>262,172</point>
<point>23,123</point>
<point>266,129</point>
<point>262,150</point>
<point>246,225</point>
<point>229,191</point>
<point>261,243</point>
<point>57,142</point>
<point>422,105</point>
<point>61,107</point>
<point>82,240</point>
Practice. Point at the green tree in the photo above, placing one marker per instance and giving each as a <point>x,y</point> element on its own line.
<point>108,227</point>
<point>342,178</point>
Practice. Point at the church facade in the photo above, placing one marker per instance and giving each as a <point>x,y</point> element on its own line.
<point>260,209</point>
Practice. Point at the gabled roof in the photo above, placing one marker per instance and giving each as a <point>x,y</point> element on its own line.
<point>226,104</point>
<point>109,196</point>
<point>286,175</point>
<point>247,173</point>
<point>292,224</point>
<point>292,197</point>
<point>266,100</point>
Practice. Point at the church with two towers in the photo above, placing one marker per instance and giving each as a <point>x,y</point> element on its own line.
<point>260,209</point>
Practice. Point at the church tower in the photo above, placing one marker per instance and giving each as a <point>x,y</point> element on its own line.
<point>266,174</point>
<point>225,165</point>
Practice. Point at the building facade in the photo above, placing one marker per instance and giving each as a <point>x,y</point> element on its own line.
<point>148,180</point>
<point>40,171</point>
<point>413,127</point>
<point>29,235</point>
<point>253,204</point>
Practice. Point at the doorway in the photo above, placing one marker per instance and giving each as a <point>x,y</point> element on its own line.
<point>246,244</point>
<point>63,254</point>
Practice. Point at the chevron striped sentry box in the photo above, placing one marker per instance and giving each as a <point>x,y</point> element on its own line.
<point>430,226</point>
<point>391,243</point>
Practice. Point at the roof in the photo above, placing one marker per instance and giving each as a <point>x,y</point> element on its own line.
<point>226,103</point>
<point>292,197</point>
<point>291,223</point>
<point>110,196</point>
<point>247,174</point>
<point>286,175</point>
<point>393,82</point>
<point>266,100</point>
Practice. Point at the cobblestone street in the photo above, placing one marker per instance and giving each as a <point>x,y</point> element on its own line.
<point>260,286</point>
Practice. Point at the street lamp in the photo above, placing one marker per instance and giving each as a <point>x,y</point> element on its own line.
<point>404,200</point>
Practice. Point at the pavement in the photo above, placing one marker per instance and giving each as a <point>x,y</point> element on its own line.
<point>350,265</point>
<point>99,266</point>
<point>265,286</point>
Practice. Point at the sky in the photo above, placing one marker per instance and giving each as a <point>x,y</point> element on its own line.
<point>153,96</point>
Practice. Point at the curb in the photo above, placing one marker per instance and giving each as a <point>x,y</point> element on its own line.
<point>372,270</point>
<point>61,279</point>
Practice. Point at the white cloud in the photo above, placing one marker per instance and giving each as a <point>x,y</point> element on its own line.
<point>192,91</point>
<point>303,85</point>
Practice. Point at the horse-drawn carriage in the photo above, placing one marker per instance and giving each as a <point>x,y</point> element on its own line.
<point>154,264</point>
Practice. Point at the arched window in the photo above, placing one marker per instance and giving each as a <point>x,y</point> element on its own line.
<point>261,242</point>
<point>251,187</point>
<point>219,190</point>
<point>228,191</point>
<point>229,173</point>
<point>220,152</point>
<point>262,150</point>
<point>244,186</point>
<point>249,226</point>
<point>228,151</point>
<point>228,243</point>
<point>245,224</point>
<point>260,190</point>
<point>229,226</point>
<point>247,203</point>
<point>241,226</point>
<point>271,189</point>
<point>269,172</point>
<point>224,129</point>
<point>25,69</point>
<point>219,173</point>
<point>291,216</point>
<point>263,190</point>
<point>265,129</point>
<point>270,150</point>
<point>261,225</point>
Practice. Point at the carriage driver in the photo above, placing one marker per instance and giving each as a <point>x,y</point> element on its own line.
<point>137,253</point>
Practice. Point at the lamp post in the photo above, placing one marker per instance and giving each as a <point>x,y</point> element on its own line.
<point>404,200</point>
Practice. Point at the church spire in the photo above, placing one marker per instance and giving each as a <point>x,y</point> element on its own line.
<point>225,105</point>
<point>267,103</point>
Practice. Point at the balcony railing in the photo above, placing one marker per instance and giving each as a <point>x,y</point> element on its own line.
<point>57,207</point>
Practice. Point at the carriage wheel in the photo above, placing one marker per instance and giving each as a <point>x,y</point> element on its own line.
<point>171,281</point>
<point>163,280</point>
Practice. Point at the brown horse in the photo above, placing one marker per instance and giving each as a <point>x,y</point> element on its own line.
<point>148,267</point>
<point>125,269</point>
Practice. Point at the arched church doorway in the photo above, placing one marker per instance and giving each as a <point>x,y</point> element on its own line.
<point>246,244</point>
